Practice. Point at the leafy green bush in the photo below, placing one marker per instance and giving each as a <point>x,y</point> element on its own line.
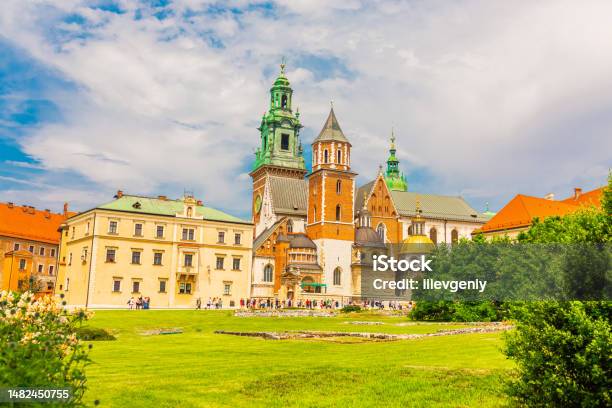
<point>449,311</point>
<point>562,351</point>
<point>39,346</point>
<point>351,308</point>
<point>93,334</point>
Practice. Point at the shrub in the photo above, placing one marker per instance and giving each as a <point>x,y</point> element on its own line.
<point>40,347</point>
<point>351,308</point>
<point>93,334</point>
<point>562,351</point>
<point>449,311</point>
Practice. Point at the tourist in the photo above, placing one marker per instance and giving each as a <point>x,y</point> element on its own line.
<point>131,303</point>
<point>146,303</point>
<point>198,303</point>
<point>208,304</point>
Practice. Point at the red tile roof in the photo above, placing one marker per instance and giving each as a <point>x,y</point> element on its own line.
<point>522,209</point>
<point>28,223</point>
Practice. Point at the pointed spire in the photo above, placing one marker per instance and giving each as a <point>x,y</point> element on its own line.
<point>392,139</point>
<point>331,129</point>
<point>282,65</point>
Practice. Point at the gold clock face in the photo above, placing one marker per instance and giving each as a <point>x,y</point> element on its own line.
<point>257,205</point>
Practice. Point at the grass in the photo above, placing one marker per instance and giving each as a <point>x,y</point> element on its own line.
<point>198,368</point>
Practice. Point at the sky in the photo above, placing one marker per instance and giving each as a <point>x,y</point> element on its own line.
<point>158,97</point>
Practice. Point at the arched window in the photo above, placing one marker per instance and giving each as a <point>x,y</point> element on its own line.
<point>284,102</point>
<point>410,230</point>
<point>337,276</point>
<point>290,226</point>
<point>339,156</point>
<point>381,230</point>
<point>433,235</point>
<point>338,212</point>
<point>325,156</point>
<point>338,186</point>
<point>268,273</point>
<point>454,236</point>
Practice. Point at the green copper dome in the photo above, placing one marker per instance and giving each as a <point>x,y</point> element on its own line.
<point>280,129</point>
<point>395,180</point>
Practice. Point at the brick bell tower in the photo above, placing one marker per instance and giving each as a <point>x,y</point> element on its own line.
<point>281,152</point>
<point>331,194</point>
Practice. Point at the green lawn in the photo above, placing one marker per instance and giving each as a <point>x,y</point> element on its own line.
<point>201,369</point>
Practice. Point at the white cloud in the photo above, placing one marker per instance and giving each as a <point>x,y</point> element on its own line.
<point>488,97</point>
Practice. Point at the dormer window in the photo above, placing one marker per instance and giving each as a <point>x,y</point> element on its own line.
<point>189,211</point>
<point>136,205</point>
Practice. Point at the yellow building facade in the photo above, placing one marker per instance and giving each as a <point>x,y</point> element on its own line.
<point>171,251</point>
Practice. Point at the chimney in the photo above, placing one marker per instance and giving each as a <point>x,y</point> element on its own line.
<point>162,197</point>
<point>577,192</point>
<point>10,205</point>
<point>65,209</point>
<point>199,202</point>
<point>119,194</point>
<point>549,196</point>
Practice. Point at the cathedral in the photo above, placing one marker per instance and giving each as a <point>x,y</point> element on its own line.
<point>311,227</point>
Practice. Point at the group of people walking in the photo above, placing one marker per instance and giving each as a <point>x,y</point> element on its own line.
<point>214,303</point>
<point>139,303</point>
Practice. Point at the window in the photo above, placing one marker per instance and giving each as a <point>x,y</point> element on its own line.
<point>284,141</point>
<point>188,260</point>
<point>41,251</point>
<point>51,269</point>
<point>314,214</point>
<point>325,156</point>
<point>40,268</point>
<point>157,258</point>
<point>31,248</point>
<point>185,288</point>
<point>339,156</point>
<point>290,226</point>
<point>284,102</point>
<point>70,259</point>
<point>337,276</point>
<point>188,234</point>
<point>221,237</point>
<point>67,283</point>
<point>338,186</point>
<point>110,255</point>
<point>159,233</point>
<point>236,264</point>
<point>237,238</point>
<point>87,229</point>
<point>116,285</point>
<point>112,227</point>
<point>162,286</point>
<point>136,257</point>
<point>52,252</point>
<point>433,235</point>
<point>380,230</point>
<point>135,286</point>
<point>268,273</point>
<point>338,212</point>
<point>219,262</point>
<point>138,230</point>
<point>22,264</point>
<point>227,288</point>
<point>16,246</point>
<point>454,236</point>
<point>84,254</point>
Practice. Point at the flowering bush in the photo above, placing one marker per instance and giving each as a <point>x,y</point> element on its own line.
<point>38,345</point>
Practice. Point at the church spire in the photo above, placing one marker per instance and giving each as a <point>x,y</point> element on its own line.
<point>280,129</point>
<point>394,179</point>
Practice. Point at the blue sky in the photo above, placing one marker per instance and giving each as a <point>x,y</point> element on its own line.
<point>488,99</point>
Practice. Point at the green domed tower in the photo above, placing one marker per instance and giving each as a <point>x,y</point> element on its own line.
<point>394,179</point>
<point>280,130</point>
